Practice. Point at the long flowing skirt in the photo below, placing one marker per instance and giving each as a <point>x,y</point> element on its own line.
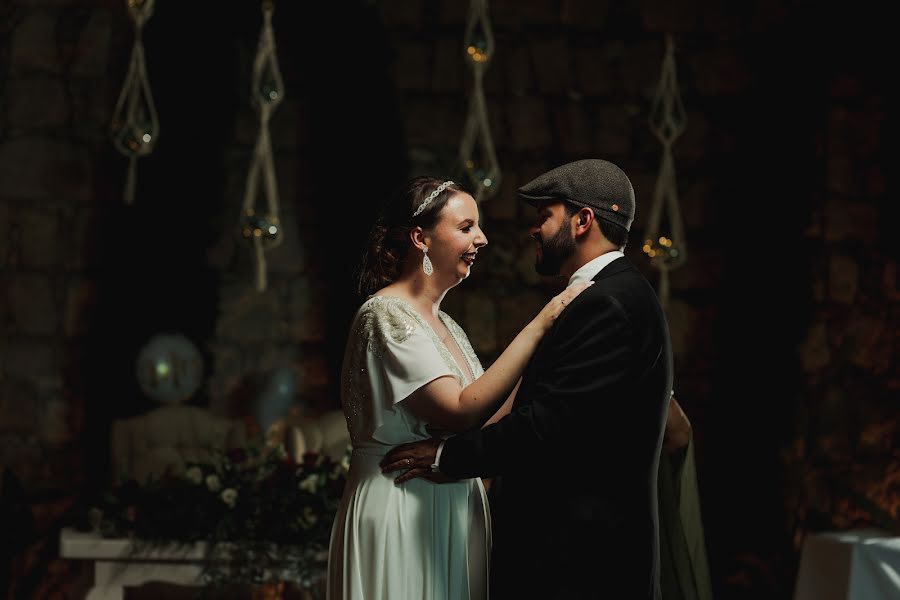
<point>417,540</point>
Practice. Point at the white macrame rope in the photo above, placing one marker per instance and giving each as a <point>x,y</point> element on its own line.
<point>127,114</point>
<point>263,162</point>
<point>477,126</point>
<point>667,121</point>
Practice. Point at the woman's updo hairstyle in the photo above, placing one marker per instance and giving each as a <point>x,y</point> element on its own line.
<point>388,246</point>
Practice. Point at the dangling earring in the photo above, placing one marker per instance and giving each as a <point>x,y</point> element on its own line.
<point>426,262</point>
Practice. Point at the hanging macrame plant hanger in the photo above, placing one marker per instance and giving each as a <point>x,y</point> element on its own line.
<point>476,149</point>
<point>666,249</point>
<point>263,228</point>
<point>135,125</point>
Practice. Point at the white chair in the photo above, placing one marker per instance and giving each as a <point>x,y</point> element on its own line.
<point>165,439</point>
<point>324,434</point>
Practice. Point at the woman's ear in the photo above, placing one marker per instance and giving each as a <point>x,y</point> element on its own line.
<point>417,237</point>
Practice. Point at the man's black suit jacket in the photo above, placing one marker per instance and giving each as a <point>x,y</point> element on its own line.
<point>578,455</point>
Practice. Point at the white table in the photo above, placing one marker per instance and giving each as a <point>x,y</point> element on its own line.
<point>849,565</point>
<point>117,566</point>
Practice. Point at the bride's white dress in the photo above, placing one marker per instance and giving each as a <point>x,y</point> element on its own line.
<point>418,540</point>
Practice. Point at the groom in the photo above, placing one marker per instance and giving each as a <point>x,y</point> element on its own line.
<point>579,451</point>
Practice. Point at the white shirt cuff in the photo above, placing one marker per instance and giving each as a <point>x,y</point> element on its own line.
<point>436,467</point>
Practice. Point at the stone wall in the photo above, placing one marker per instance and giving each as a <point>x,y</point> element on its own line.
<point>54,78</point>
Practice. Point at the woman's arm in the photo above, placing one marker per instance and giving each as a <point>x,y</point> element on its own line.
<point>678,428</point>
<point>507,406</point>
<point>444,404</point>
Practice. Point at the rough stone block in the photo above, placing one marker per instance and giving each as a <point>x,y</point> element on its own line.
<point>434,122</point>
<point>36,103</point>
<point>850,220</point>
<point>517,310</point>
<point>552,65</point>
<point>497,264</point>
<point>702,271</point>
<point>453,12</point>
<point>18,406</point>
<point>270,357</point>
<point>92,51</point>
<point>594,75</point>
<point>481,322</point>
<point>585,14</point>
<point>30,359</point>
<point>59,421</point>
<point>41,239</point>
<point>640,67</point>
<point>525,264</point>
<point>529,123</point>
<point>515,14</point>
<point>79,237</point>
<point>573,127</point>
<point>684,325</point>
<point>517,69</point>
<point>815,353</point>
<point>412,65</point>
<point>504,205</point>
<point>862,344</point>
<point>33,47</point>
<point>843,279</point>
<point>247,315</point>
<point>290,255</point>
<point>93,101</point>
<point>725,19</point>
<point>854,134</point>
<point>696,202</point>
<point>312,374</point>
<point>842,175</point>
<point>718,71</point>
<point>691,147</point>
<point>6,224</point>
<point>613,133</point>
<point>494,81</point>
<point>402,12</point>
<point>43,169</point>
<point>81,298</point>
<point>24,455</point>
<point>32,303</point>
<point>669,17</point>
<point>307,310</point>
<point>449,69</point>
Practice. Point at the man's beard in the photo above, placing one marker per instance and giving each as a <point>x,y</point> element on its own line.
<point>554,251</point>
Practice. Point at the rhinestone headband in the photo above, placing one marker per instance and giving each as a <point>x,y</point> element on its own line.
<point>431,197</point>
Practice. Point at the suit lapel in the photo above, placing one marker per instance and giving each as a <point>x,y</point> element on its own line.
<point>529,376</point>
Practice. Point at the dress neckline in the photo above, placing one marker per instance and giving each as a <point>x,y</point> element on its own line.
<point>441,314</point>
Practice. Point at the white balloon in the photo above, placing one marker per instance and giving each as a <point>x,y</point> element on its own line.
<point>169,368</point>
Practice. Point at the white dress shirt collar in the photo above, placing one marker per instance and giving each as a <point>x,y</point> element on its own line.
<point>590,269</point>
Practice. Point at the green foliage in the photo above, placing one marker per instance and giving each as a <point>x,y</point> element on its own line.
<point>261,515</point>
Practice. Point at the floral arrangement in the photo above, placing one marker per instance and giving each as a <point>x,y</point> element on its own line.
<point>263,516</point>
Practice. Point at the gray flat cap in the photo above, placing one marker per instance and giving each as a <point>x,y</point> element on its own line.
<point>594,182</point>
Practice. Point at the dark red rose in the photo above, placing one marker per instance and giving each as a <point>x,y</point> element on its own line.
<point>237,455</point>
<point>310,458</point>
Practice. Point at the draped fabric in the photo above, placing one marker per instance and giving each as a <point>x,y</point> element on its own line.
<point>684,568</point>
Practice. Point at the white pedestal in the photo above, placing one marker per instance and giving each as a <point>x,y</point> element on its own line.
<point>116,565</point>
<point>850,565</point>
